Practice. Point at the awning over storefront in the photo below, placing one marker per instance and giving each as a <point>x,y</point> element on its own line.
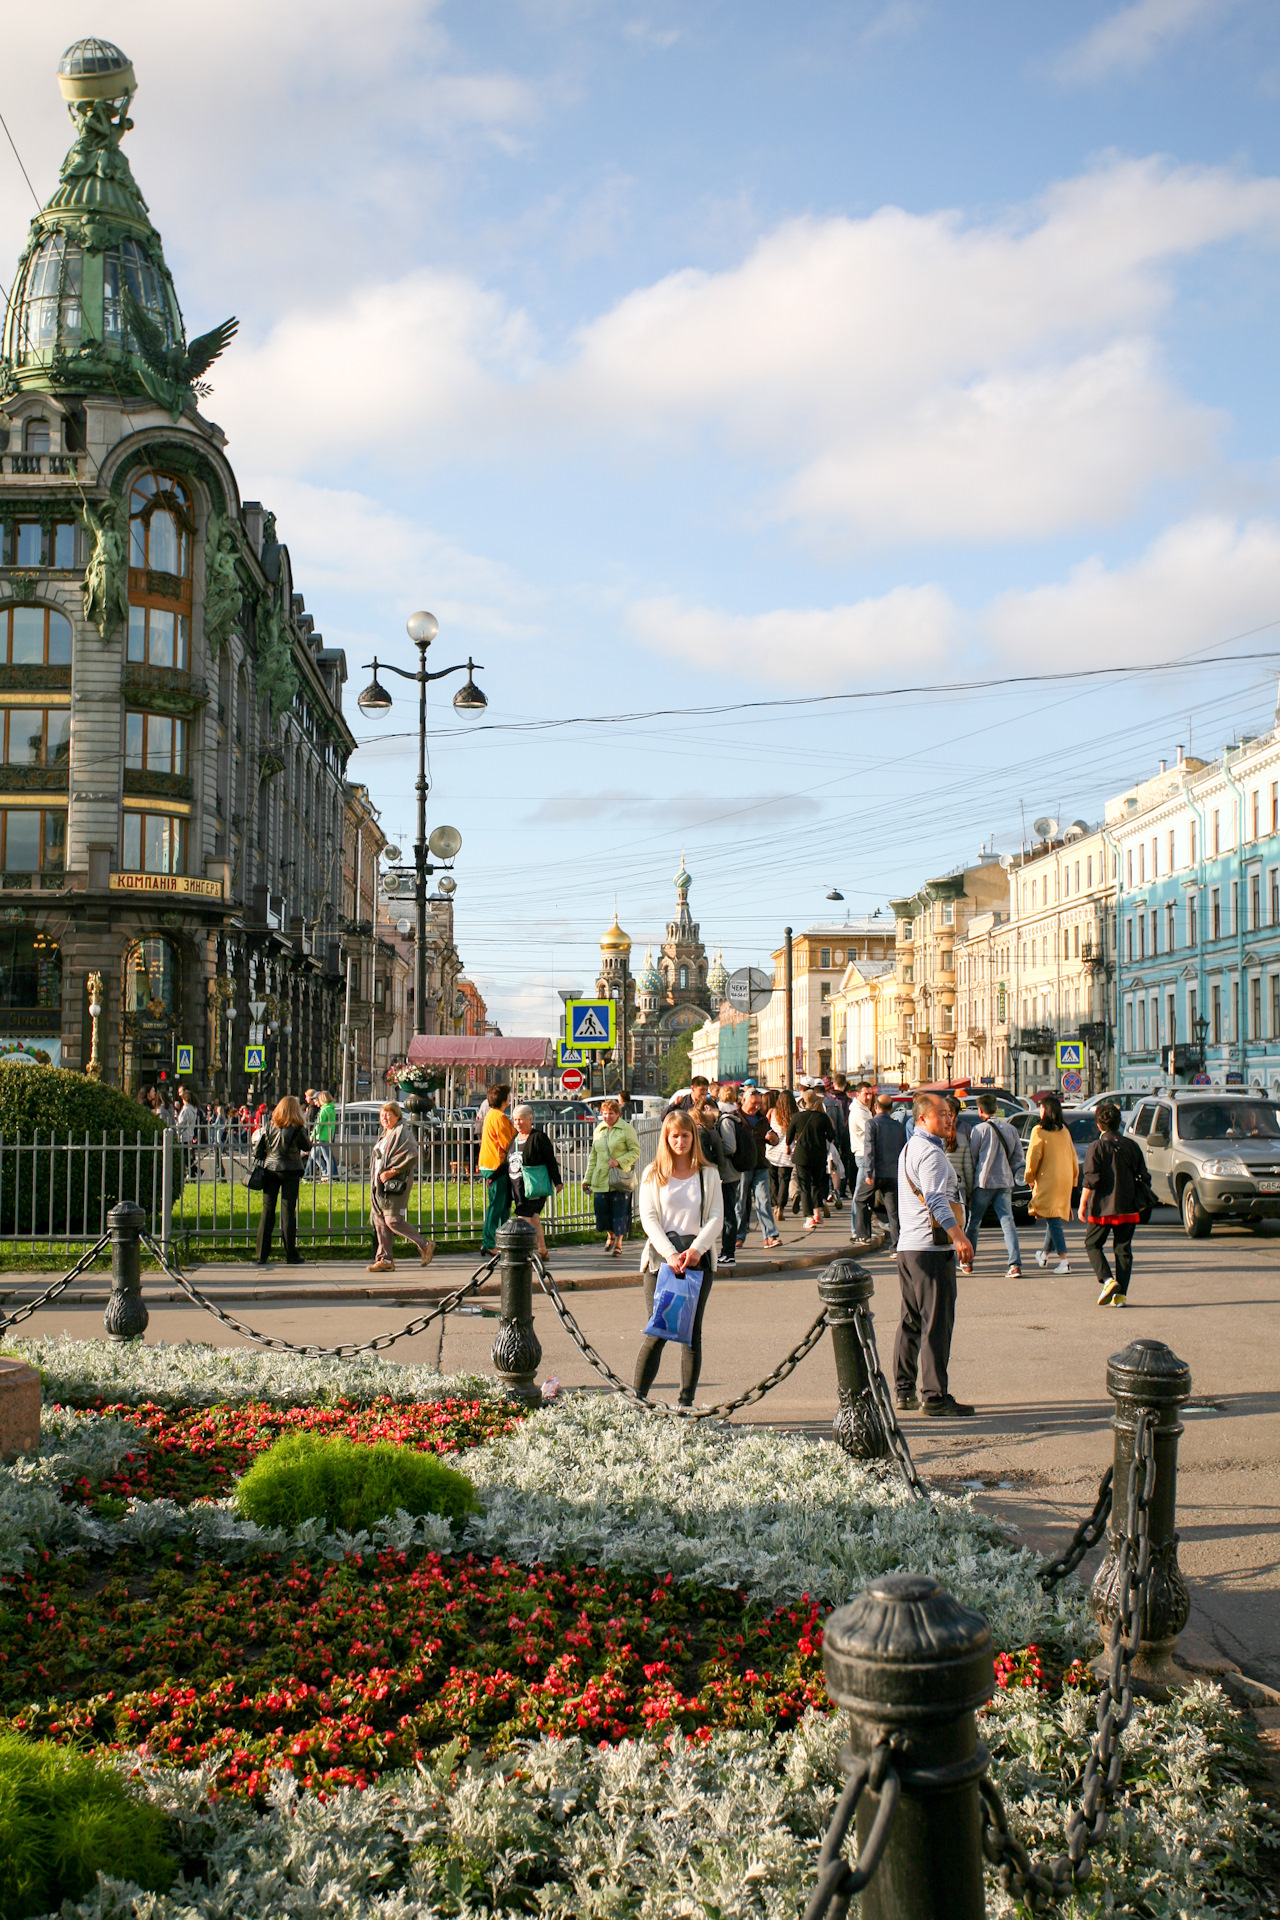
<point>476,1050</point>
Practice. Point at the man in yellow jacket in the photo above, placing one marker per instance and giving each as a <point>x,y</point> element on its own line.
<point>495,1138</point>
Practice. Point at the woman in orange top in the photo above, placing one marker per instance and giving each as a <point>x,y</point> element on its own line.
<point>495,1137</point>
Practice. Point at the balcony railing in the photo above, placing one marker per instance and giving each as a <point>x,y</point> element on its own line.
<point>1037,1039</point>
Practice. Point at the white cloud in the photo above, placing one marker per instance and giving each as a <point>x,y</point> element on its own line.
<point>1136,35</point>
<point>899,377</point>
<point>1197,585</point>
<point>813,647</point>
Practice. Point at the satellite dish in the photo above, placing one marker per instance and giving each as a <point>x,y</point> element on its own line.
<point>1044,828</point>
<point>835,894</point>
<point>1006,861</point>
<point>444,842</point>
<point>1074,832</point>
<point>448,886</point>
<point>404,928</point>
<point>391,853</point>
<point>1082,826</point>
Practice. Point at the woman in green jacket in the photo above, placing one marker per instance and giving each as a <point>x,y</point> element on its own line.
<point>611,1176</point>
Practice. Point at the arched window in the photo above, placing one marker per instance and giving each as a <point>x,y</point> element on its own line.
<point>684,976</point>
<point>34,637</point>
<point>160,530</point>
<point>153,980</point>
<point>35,437</point>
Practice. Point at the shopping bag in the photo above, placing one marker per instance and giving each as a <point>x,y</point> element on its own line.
<point>675,1304</point>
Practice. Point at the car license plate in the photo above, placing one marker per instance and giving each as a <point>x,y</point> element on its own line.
<point>1269,1186</point>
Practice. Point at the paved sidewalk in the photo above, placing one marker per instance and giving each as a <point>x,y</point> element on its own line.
<point>576,1268</point>
<point>1032,1354</point>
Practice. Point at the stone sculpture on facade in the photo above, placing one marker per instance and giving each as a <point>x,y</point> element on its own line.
<point>222,592</point>
<point>106,578</point>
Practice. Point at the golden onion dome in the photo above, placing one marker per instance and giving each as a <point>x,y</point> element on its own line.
<point>615,940</point>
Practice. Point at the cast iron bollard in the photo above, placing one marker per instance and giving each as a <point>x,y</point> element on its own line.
<point>911,1666</point>
<point>1148,1375</point>
<point>517,1354</point>
<point>844,1287</point>
<point>126,1315</point>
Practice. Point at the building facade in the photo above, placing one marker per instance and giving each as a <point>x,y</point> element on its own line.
<point>819,957</point>
<point>932,922</point>
<point>864,1022</point>
<point>985,1001</point>
<point>1059,960</point>
<point>1197,851</point>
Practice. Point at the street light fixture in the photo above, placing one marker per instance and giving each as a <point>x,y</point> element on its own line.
<point>422,629</point>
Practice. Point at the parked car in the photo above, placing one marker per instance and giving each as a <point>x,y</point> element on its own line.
<point>1213,1155</point>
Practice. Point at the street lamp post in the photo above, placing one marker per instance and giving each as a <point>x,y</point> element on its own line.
<point>422,629</point>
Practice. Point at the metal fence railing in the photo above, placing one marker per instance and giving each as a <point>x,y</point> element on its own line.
<point>56,1190</point>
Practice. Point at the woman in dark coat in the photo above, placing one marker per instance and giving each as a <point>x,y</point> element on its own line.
<point>531,1148</point>
<point>809,1136</point>
<point>282,1149</point>
<point>1114,1190</point>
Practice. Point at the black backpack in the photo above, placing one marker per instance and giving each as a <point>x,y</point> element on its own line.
<point>744,1146</point>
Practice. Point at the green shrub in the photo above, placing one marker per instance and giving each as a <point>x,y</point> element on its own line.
<point>35,1101</point>
<point>307,1476</point>
<point>65,1817</point>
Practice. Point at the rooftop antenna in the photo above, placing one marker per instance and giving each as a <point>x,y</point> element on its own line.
<point>1023,811</point>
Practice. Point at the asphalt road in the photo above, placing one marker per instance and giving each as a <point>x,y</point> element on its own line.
<point>1030,1354</point>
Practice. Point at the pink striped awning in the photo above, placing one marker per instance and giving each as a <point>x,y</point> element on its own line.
<point>477,1050</point>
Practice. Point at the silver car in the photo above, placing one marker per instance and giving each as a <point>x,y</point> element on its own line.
<point>1215,1156</point>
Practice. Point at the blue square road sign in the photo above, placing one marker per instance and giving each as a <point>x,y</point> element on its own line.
<point>591,1023</point>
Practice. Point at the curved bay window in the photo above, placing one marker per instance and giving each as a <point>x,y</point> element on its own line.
<point>160,530</point>
<point>152,1009</point>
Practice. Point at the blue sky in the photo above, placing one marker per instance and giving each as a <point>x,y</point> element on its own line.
<point>677,356</point>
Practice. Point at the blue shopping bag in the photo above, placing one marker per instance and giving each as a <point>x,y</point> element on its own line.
<point>675,1304</point>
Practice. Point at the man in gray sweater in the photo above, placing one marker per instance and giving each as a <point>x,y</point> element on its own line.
<point>929,1242</point>
<point>998,1160</point>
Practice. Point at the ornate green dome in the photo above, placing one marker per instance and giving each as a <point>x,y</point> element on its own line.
<point>93,305</point>
<point>650,981</point>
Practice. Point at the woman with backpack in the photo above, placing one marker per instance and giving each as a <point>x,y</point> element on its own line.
<point>1115,1196</point>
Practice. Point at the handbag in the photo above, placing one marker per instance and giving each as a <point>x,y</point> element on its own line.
<point>941,1238</point>
<point>621,1180</point>
<point>675,1298</point>
<point>255,1181</point>
<point>256,1171</point>
<point>537,1182</point>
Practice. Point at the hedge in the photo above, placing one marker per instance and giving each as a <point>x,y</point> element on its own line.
<point>36,1102</point>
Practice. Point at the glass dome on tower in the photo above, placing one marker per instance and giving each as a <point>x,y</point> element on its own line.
<point>93,306</point>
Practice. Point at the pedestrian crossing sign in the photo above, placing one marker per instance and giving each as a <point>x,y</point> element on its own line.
<point>591,1023</point>
<point>255,1059</point>
<point>1070,1053</point>
<point>567,1056</point>
<point>186,1059</point>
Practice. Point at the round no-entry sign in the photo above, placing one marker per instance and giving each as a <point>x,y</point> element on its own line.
<point>571,1080</point>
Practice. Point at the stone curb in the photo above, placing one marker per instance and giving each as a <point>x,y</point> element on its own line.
<point>230,1291</point>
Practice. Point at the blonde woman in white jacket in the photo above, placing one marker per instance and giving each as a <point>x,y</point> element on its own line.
<point>682,1213</point>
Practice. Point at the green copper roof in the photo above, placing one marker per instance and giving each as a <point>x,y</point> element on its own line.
<point>93,303</point>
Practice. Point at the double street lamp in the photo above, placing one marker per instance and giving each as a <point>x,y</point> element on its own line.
<point>422,630</point>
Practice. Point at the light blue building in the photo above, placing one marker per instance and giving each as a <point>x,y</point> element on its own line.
<point>1197,863</point>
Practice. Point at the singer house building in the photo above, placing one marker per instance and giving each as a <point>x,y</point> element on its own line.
<point>174,748</point>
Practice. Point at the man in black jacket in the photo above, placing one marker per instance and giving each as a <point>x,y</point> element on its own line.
<point>886,1140</point>
<point>752,1122</point>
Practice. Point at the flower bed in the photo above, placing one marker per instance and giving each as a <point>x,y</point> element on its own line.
<point>601,1694</point>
